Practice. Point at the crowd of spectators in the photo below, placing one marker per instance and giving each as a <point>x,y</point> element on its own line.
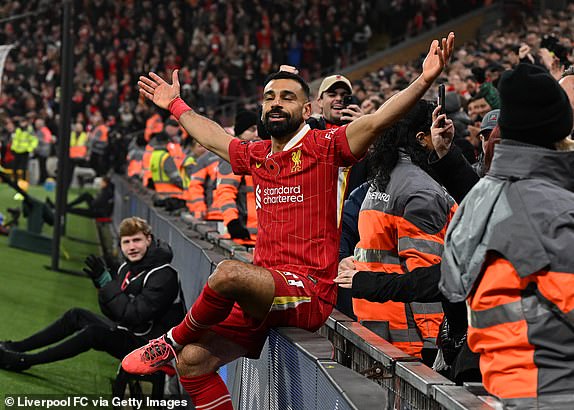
<point>225,48</point>
<point>473,74</point>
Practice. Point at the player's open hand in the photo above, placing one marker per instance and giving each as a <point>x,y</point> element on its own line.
<point>158,90</point>
<point>437,57</point>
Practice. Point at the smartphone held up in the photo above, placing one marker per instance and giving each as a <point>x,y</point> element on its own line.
<point>441,102</point>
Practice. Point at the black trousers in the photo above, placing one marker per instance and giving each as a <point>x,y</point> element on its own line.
<point>42,161</point>
<point>20,167</point>
<point>87,198</point>
<point>78,331</point>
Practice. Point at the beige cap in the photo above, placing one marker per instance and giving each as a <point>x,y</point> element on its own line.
<point>330,81</point>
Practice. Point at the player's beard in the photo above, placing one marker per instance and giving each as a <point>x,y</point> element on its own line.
<point>282,128</point>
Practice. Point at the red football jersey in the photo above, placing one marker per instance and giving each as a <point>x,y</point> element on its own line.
<point>299,199</point>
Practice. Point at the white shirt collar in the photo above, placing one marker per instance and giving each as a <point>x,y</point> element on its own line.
<point>297,138</point>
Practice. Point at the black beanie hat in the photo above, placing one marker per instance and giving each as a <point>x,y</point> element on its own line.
<point>534,108</point>
<point>243,120</point>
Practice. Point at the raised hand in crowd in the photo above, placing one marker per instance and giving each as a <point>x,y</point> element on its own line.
<point>288,68</point>
<point>551,62</point>
<point>441,136</point>
<point>525,55</point>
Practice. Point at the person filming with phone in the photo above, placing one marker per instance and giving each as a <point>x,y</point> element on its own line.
<point>338,105</point>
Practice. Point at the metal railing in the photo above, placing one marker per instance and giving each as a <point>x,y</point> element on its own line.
<point>334,368</point>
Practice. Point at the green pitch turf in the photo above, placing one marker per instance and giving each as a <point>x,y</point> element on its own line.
<point>32,296</point>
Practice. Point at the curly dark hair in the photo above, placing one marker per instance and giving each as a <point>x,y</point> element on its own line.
<point>384,155</point>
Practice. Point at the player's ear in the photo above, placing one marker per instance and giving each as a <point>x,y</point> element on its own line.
<point>307,110</point>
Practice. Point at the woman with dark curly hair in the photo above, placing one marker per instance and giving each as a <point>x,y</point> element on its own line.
<point>402,224</point>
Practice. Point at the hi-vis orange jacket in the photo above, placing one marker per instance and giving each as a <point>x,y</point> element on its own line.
<point>135,160</point>
<point>98,140</point>
<point>400,230</point>
<point>153,125</point>
<point>235,197</point>
<point>508,252</point>
<point>78,145</point>
<point>202,182</point>
<point>166,178</point>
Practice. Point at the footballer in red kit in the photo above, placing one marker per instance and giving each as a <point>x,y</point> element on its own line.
<point>298,200</point>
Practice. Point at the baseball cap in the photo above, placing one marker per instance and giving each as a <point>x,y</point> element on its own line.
<point>330,81</point>
<point>490,120</point>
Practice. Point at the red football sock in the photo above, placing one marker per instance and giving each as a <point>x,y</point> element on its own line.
<point>207,392</point>
<point>209,309</point>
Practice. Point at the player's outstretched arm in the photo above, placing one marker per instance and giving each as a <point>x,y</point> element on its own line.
<point>208,133</point>
<point>363,131</point>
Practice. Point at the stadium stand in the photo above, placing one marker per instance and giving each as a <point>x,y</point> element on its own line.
<point>227,58</point>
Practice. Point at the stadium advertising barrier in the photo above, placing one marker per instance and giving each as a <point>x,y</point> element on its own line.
<point>343,366</point>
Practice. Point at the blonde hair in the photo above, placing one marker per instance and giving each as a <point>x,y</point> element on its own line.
<point>133,225</point>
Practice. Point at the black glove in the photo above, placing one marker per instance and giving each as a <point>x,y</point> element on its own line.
<point>97,271</point>
<point>237,230</point>
<point>449,343</point>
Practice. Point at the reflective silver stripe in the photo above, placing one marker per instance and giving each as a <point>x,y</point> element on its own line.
<point>405,335</point>
<point>431,247</point>
<point>193,178</point>
<point>248,189</point>
<point>426,308</point>
<point>520,404</point>
<point>543,401</point>
<point>376,255</point>
<point>429,343</point>
<point>228,206</point>
<point>252,230</point>
<point>229,181</point>
<point>196,200</point>
<point>507,313</point>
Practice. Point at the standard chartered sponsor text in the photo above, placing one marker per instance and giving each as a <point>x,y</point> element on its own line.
<point>282,194</point>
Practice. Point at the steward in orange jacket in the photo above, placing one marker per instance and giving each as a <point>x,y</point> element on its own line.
<point>402,224</point>
<point>153,125</point>
<point>165,174</point>
<point>235,198</point>
<point>507,249</point>
<point>234,195</point>
<point>202,183</point>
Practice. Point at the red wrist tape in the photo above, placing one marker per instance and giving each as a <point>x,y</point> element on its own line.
<point>177,107</point>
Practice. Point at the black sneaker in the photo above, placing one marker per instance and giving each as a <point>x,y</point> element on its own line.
<point>13,361</point>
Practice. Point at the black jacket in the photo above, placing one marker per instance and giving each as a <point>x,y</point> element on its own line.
<point>150,302</point>
<point>454,173</point>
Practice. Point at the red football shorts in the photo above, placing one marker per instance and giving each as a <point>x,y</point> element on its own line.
<point>296,304</point>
